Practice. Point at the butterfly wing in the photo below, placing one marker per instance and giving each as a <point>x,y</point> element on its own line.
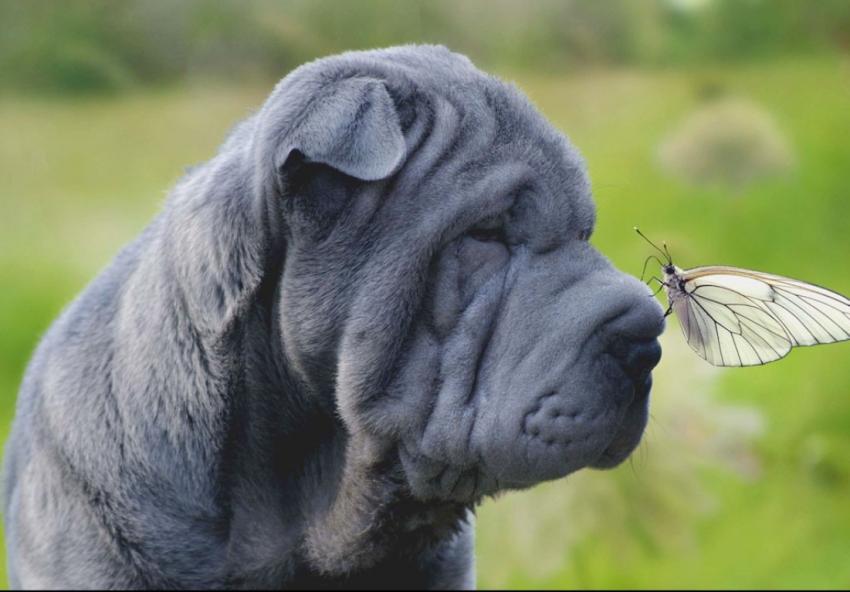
<point>739,317</point>
<point>723,324</point>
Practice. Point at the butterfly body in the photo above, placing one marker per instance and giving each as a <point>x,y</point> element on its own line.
<point>674,286</point>
<point>673,282</point>
<point>739,317</point>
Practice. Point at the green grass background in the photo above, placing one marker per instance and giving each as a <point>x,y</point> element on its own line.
<point>743,479</point>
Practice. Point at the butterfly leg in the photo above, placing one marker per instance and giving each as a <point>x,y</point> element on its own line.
<point>646,262</point>
<point>668,311</point>
<point>661,284</point>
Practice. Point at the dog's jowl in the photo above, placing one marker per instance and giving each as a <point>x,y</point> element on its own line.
<point>377,304</point>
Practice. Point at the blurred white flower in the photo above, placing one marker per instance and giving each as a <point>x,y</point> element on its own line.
<point>728,141</point>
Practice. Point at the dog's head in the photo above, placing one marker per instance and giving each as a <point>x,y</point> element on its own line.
<point>438,288</point>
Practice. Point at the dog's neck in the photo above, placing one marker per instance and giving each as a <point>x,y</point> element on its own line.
<point>356,508</point>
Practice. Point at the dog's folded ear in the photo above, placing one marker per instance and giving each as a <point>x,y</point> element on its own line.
<point>351,126</point>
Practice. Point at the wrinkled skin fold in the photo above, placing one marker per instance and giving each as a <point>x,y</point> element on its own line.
<point>376,305</point>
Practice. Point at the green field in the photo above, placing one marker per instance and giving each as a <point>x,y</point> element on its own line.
<point>743,479</point>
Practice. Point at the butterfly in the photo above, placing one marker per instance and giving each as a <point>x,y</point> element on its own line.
<point>739,317</point>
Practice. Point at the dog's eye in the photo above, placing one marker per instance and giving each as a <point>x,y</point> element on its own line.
<point>490,230</point>
<point>584,235</point>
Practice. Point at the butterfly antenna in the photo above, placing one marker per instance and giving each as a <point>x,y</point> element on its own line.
<point>654,246</point>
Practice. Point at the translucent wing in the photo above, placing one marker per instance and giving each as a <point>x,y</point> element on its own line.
<point>738,317</point>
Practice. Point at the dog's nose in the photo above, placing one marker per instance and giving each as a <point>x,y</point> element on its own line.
<point>633,339</point>
<point>637,358</point>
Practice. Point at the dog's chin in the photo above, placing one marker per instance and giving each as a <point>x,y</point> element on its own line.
<point>630,430</point>
<point>560,435</point>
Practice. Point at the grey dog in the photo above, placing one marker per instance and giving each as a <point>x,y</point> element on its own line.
<point>376,305</point>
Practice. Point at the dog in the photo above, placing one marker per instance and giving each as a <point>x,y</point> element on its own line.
<point>375,306</point>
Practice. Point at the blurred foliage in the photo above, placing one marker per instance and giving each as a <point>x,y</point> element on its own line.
<point>102,45</point>
<point>743,476</point>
